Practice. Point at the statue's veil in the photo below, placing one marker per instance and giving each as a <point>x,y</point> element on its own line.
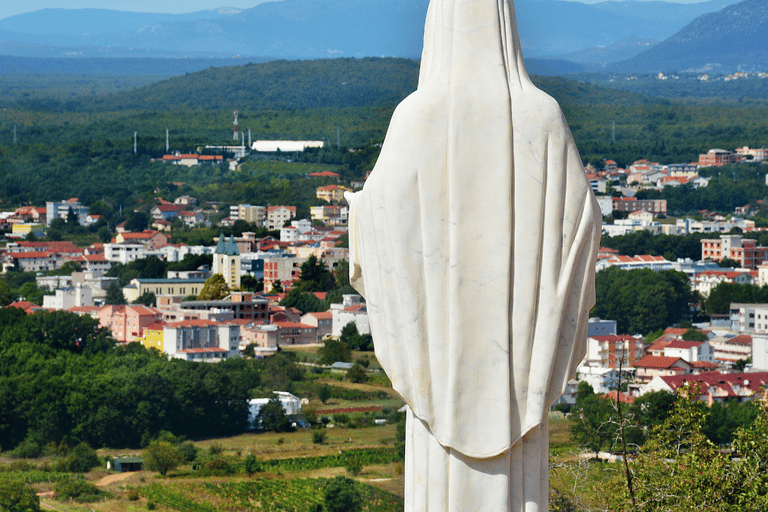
<point>474,239</point>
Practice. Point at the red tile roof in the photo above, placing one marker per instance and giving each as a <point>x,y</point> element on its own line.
<point>658,362</point>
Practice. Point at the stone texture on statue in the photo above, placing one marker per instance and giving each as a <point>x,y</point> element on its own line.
<point>474,242</point>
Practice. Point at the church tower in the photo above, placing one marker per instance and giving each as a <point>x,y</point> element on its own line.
<point>226,261</point>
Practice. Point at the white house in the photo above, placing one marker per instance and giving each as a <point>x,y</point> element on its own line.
<point>350,311</point>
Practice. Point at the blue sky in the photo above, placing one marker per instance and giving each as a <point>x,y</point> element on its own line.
<point>9,8</point>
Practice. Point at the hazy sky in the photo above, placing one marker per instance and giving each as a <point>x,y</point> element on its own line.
<point>9,8</point>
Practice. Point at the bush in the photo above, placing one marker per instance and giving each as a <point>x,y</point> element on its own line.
<point>133,494</point>
<point>16,496</point>
<point>357,374</point>
<point>252,465</point>
<point>27,450</point>
<point>353,466</point>
<point>342,495</point>
<point>188,451</point>
<point>218,466</point>
<point>215,449</point>
<point>77,489</point>
<point>318,436</point>
<point>81,459</point>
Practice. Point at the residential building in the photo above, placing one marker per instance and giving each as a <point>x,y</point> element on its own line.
<point>33,261</point>
<point>166,211</point>
<point>706,281</point>
<point>351,310</point>
<point>631,204</point>
<point>322,320</point>
<point>201,340</point>
<point>653,366</point>
<point>127,322</point>
<point>331,193</point>
<point>717,158</point>
<point>744,250</point>
<point>757,154</point>
<point>715,386</point>
<point>277,216</point>
<point>610,351</point>
<point>180,287</point>
<point>729,349</point>
<point>69,297</point>
<point>61,209</point>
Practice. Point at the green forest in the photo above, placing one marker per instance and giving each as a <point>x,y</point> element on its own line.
<point>74,137</point>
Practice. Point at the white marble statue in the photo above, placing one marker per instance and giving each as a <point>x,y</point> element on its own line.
<point>474,243</point>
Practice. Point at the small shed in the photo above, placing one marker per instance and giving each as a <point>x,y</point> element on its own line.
<point>125,464</point>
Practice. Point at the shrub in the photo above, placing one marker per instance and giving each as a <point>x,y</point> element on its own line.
<point>218,466</point>
<point>77,489</point>
<point>252,465</point>
<point>188,451</point>
<point>318,436</point>
<point>133,494</point>
<point>81,459</point>
<point>27,450</point>
<point>215,449</point>
<point>15,495</point>
<point>342,495</point>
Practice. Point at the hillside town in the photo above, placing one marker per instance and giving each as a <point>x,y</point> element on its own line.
<point>181,325</point>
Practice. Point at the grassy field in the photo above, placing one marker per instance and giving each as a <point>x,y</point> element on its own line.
<point>294,468</point>
<point>572,475</point>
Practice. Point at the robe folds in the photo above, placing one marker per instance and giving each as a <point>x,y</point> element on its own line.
<point>474,239</point>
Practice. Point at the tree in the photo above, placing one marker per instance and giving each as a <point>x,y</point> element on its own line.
<point>357,374</point>
<point>114,295</point>
<point>315,276</point>
<point>215,288</point>
<point>72,219</point>
<point>272,417</point>
<point>342,495</point>
<point>324,393</point>
<point>333,351</point>
<point>147,298</point>
<point>694,335</point>
<point>138,221</point>
<point>17,496</point>
<point>642,300</point>
<point>594,425</point>
<point>161,456</point>
<point>305,302</point>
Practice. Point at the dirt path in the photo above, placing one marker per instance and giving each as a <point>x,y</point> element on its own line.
<point>110,479</point>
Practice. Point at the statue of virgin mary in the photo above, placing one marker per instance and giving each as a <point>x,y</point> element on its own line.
<point>474,243</point>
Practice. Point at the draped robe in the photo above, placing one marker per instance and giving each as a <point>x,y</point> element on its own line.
<point>474,242</point>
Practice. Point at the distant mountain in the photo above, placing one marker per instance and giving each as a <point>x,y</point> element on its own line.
<point>79,22</point>
<point>733,39</point>
<point>614,52</point>
<point>321,83</point>
<point>307,29</point>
